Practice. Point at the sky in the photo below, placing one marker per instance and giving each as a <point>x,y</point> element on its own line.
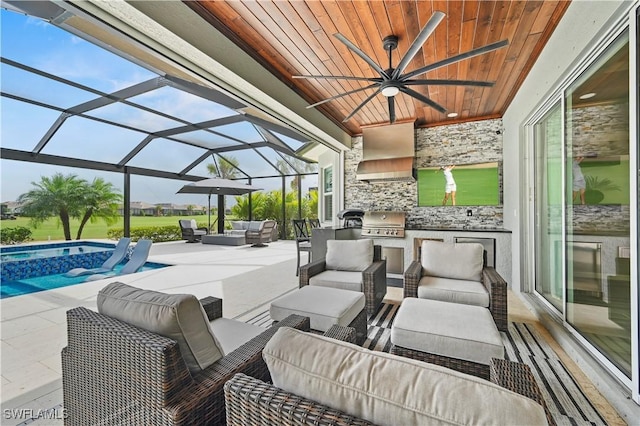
<point>38,44</point>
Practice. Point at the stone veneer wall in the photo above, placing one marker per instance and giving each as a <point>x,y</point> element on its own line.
<point>463,143</point>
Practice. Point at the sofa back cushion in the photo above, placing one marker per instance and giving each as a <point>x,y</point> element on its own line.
<point>389,390</point>
<point>349,255</point>
<point>177,316</point>
<point>238,225</point>
<point>461,261</point>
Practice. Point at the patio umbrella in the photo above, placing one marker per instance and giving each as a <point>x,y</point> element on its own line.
<point>221,187</point>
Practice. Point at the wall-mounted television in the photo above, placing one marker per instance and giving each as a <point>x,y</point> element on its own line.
<point>469,184</point>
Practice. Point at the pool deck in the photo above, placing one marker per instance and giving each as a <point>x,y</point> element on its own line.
<point>33,327</point>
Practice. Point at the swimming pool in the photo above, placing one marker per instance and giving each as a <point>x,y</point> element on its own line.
<point>41,251</point>
<point>28,261</point>
<point>50,282</point>
<point>38,267</point>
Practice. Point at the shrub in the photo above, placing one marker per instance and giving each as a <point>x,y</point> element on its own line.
<point>16,235</point>
<point>157,234</point>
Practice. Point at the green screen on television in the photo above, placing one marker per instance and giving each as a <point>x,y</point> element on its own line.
<point>475,185</point>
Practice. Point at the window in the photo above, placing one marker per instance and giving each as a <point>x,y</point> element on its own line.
<point>327,193</point>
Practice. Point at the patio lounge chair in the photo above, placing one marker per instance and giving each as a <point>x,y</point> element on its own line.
<point>116,257</point>
<point>138,259</point>
<point>121,366</point>
<point>190,230</point>
<point>260,233</point>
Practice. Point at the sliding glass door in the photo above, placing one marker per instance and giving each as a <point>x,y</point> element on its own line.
<point>548,209</point>
<point>597,194</point>
<point>584,204</point>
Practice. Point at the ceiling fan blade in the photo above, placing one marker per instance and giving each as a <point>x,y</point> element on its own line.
<point>422,98</point>
<point>392,109</point>
<point>343,94</point>
<point>429,28</point>
<point>360,53</point>
<point>450,83</point>
<point>470,54</point>
<point>338,77</point>
<point>348,117</point>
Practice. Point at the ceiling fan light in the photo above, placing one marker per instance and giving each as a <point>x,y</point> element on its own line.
<point>390,91</point>
<point>588,95</point>
<point>452,114</point>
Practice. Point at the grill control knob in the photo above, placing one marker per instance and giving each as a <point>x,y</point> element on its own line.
<point>377,231</point>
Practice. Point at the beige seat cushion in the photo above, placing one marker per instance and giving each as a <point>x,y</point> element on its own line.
<point>450,260</point>
<point>177,316</point>
<point>447,329</point>
<point>231,334</point>
<point>453,290</point>
<point>389,390</point>
<point>349,255</point>
<point>324,306</point>
<point>345,280</point>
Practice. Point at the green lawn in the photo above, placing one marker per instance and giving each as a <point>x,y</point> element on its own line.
<point>475,187</point>
<point>51,228</point>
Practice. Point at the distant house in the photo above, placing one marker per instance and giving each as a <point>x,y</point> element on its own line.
<point>141,208</point>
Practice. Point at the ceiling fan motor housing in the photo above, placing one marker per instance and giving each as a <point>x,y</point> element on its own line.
<point>390,42</point>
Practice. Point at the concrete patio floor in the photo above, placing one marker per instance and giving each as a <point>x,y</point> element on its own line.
<point>33,328</point>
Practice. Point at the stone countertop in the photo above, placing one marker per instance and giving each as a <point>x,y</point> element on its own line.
<point>425,228</point>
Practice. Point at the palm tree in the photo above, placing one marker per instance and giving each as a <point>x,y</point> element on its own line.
<point>59,195</point>
<point>225,168</point>
<point>299,166</point>
<point>101,201</point>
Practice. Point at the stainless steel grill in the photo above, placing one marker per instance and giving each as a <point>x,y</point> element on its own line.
<point>383,224</point>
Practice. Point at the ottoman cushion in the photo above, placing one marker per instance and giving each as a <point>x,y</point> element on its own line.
<point>324,306</point>
<point>447,329</point>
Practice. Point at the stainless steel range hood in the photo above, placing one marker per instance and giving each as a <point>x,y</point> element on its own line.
<point>387,154</point>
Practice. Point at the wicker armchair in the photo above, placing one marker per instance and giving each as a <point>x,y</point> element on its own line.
<point>190,230</point>
<point>251,401</point>
<point>115,373</point>
<point>494,284</point>
<point>374,279</point>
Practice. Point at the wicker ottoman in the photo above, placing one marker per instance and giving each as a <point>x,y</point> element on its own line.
<point>325,307</point>
<point>453,335</point>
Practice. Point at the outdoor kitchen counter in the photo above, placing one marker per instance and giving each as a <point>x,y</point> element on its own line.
<point>420,228</point>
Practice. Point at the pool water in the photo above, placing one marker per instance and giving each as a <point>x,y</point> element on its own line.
<point>35,253</point>
<point>50,282</point>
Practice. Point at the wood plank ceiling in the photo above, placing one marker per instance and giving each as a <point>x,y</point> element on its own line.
<point>297,38</point>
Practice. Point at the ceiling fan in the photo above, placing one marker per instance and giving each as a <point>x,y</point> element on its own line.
<point>392,80</point>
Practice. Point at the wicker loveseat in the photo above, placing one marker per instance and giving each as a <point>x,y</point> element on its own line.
<point>114,373</point>
<point>307,388</point>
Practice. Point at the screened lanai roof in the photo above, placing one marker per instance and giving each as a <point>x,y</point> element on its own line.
<point>118,115</point>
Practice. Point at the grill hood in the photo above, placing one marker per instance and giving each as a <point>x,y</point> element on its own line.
<point>387,154</point>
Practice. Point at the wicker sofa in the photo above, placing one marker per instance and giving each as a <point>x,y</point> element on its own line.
<point>114,373</point>
<point>342,268</point>
<point>310,390</point>
<point>456,273</point>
